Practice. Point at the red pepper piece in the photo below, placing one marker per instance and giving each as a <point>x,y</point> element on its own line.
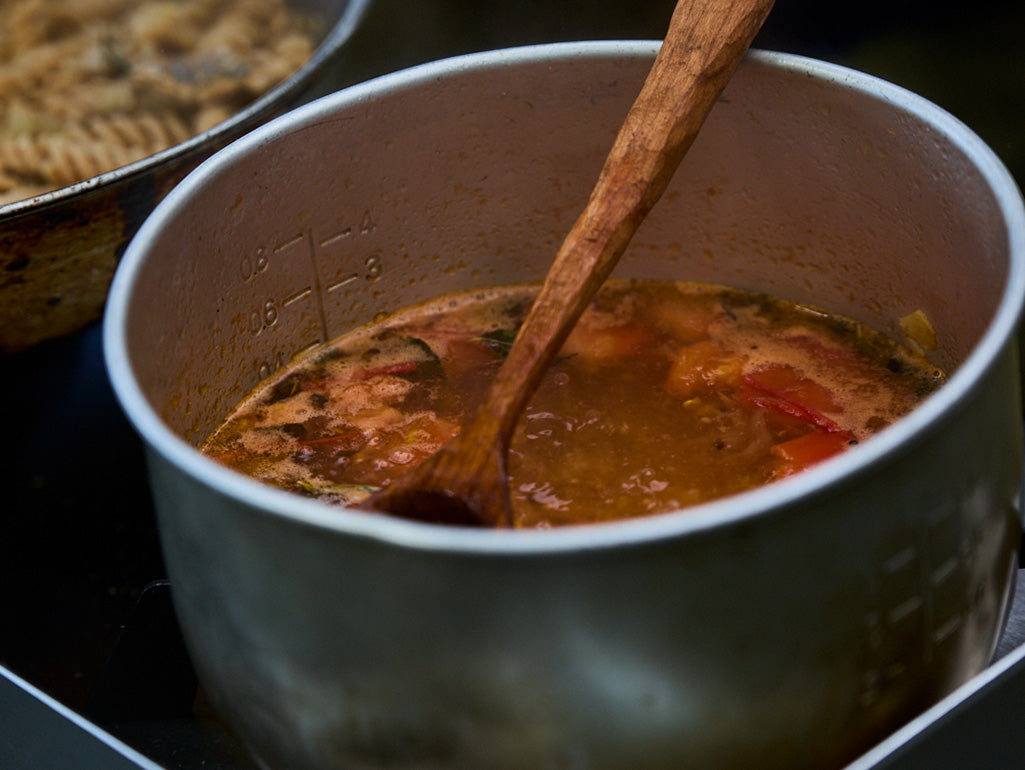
<point>785,381</point>
<point>783,390</point>
<point>701,366</point>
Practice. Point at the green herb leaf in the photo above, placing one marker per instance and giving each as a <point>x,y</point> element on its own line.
<point>429,366</point>
<point>499,341</point>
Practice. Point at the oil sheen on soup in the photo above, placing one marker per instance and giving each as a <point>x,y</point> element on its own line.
<point>665,395</point>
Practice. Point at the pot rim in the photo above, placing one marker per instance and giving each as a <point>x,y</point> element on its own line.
<point>758,502</point>
<point>336,37</point>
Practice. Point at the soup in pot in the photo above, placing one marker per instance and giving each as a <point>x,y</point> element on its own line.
<point>665,395</point>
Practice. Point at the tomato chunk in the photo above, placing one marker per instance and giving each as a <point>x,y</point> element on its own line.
<point>607,344</point>
<point>700,366</point>
<point>799,453</point>
<point>685,322</point>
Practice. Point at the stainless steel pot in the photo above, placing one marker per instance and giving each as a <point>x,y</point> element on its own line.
<point>58,251</point>
<point>788,627</point>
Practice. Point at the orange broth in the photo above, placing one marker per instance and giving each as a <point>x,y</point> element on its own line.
<point>664,396</point>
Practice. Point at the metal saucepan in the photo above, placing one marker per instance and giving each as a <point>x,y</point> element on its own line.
<point>59,250</point>
<point>788,627</point>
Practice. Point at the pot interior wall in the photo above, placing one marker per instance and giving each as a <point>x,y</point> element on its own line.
<point>351,208</point>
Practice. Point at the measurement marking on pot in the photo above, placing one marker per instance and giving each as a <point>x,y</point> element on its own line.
<point>945,631</point>
<point>290,242</point>
<point>900,559</point>
<point>340,235</point>
<point>318,297</point>
<point>343,282</point>
<point>266,368</point>
<point>264,318</point>
<point>252,267</point>
<point>903,610</point>
<point>301,294</point>
<point>912,623</point>
<point>941,514</point>
<point>894,671</point>
<point>944,571</point>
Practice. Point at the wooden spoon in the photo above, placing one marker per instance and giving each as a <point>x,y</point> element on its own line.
<point>466,481</point>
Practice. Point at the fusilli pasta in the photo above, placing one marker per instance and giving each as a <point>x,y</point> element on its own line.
<point>87,86</point>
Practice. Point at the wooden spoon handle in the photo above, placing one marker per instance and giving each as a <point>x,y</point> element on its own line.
<point>702,49</point>
<point>466,482</point>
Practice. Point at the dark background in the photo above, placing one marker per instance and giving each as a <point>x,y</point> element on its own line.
<point>78,541</point>
<point>968,57</point>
